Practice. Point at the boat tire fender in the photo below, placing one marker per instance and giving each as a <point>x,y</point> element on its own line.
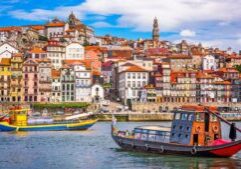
<point>161,150</point>
<point>215,129</point>
<point>194,150</point>
<point>146,147</point>
<point>197,130</point>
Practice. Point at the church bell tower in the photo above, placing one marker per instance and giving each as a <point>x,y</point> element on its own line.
<point>155,30</point>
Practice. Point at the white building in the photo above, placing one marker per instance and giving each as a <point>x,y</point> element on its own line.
<point>56,53</point>
<point>36,53</point>
<point>83,82</point>
<point>166,91</point>
<point>56,86</point>
<point>74,51</point>
<point>131,81</point>
<point>7,33</point>
<point>6,50</point>
<point>209,63</point>
<point>97,93</point>
<point>56,29</point>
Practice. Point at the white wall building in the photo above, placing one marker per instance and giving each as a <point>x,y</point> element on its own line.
<point>56,86</point>
<point>56,28</point>
<point>209,63</point>
<point>97,93</point>
<point>6,50</point>
<point>131,82</point>
<point>56,53</point>
<point>74,51</point>
<point>83,82</point>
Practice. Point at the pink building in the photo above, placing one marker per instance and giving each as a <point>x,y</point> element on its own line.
<point>30,77</point>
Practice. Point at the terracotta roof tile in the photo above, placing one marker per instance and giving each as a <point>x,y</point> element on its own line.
<point>37,50</point>
<point>198,108</point>
<point>73,62</point>
<point>55,73</point>
<point>8,29</point>
<point>38,27</point>
<point>223,82</point>
<point>5,61</point>
<point>55,24</point>
<point>135,69</point>
<point>96,73</point>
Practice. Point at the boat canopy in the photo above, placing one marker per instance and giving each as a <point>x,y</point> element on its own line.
<point>154,128</point>
<point>198,108</point>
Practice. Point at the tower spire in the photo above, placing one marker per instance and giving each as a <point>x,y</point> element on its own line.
<point>155,30</point>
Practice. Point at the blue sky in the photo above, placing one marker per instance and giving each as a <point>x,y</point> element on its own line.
<point>214,23</point>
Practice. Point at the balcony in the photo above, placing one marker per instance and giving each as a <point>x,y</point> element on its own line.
<point>45,81</point>
<point>45,89</point>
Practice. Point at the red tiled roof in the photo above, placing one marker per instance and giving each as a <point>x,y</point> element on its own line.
<point>18,55</point>
<point>135,69</point>
<point>223,82</point>
<point>228,70</point>
<point>8,29</point>
<point>202,75</point>
<point>95,48</point>
<point>46,60</point>
<point>5,61</point>
<point>96,73</point>
<point>179,56</point>
<point>73,62</point>
<point>37,27</point>
<point>55,73</point>
<point>199,108</point>
<point>55,24</point>
<point>37,50</point>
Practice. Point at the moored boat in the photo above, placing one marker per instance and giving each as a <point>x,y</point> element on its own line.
<point>195,131</point>
<point>18,121</point>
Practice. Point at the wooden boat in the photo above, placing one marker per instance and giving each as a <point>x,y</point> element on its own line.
<point>18,122</point>
<point>195,131</point>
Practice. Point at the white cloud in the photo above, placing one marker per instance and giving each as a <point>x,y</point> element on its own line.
<point>140,13</point>
<point>214,20</point>
<point>42,14</point>
<point>101,24</point>
<point>187,33</point>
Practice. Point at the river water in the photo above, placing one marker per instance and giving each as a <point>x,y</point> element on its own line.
<point>93,149</point>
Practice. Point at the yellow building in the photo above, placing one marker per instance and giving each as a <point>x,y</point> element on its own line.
<point>5,75</point>
<point>16,84</point>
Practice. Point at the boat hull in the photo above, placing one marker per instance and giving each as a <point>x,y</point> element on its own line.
<point>224,150</point>
<point>83,125</point>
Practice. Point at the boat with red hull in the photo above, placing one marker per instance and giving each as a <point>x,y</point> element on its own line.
<point>195,131</point>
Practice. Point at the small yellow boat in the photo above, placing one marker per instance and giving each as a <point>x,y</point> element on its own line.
<point>18,122</point>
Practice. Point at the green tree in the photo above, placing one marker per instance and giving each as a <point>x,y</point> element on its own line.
<point>238,68</point>
<point>42,38</point>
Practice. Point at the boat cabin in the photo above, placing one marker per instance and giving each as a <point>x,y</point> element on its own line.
<point>195,125</point>
<point>191,125</point>
<point>18,116</point>
<point>152,133</point>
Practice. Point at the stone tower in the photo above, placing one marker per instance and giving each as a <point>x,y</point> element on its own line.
<point>155,30</point>
<point>73,20</point>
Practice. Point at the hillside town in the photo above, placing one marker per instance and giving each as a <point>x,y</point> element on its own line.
<point>65,61</point>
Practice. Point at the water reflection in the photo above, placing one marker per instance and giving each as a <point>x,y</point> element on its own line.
<point>180,162</point>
